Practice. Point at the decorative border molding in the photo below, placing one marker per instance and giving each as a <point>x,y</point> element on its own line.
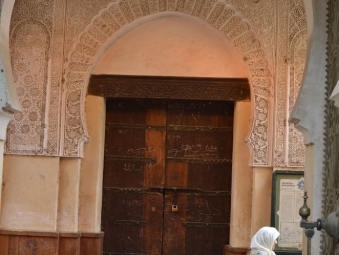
<point>51,146</point>
<point>296,147</point>
<point>291,32</point>
<point>282,69</point>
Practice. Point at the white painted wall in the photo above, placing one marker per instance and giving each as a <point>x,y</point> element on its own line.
<point>308,113</point>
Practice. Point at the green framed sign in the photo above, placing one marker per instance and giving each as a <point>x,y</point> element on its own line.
<point>287,198</point>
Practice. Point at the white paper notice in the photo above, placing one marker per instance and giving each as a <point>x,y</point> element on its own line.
<point>290,235</point>
<point>286,206</point>
<point>290,200</point>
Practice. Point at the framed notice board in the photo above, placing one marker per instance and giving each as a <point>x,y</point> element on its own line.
<point>287,198</point>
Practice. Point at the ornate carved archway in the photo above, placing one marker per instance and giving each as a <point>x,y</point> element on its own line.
<point>218,14</point>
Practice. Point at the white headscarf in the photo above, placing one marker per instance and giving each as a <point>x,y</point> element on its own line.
<point>264,239</point>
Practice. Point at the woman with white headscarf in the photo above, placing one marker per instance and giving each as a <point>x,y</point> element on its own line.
<point>264,241</point>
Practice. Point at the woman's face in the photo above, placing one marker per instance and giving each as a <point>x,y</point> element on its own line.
<point>275,242</point>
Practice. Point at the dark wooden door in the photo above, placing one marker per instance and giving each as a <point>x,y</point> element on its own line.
<point>167,177</point>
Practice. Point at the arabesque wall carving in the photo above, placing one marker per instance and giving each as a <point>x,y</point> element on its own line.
<point>297,48</point>
<point>30,41</point>
<point>291,57</point>
<point>81,28</point>
<point>29,44</point>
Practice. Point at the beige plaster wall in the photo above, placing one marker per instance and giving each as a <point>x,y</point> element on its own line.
<point>240,232</point>
<point>30,193</point>
<point>92,166</point>
<point>309,110</point>
<point>68,202</point>
<point>261,198</point>
<point>172,46</point>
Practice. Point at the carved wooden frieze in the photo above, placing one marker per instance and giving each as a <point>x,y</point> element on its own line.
<point>116,86</point>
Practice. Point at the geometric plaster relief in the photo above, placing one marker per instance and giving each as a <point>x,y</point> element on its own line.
<point>281,84</point>
<point>30,47</point>
<point>296,148</point>
<point>261,14</point>
<point>298,42</point>
<point>30,39</point>
<point>291,57</point>
<point>218,14</point>
<point>56,71</point>
<point>297,48</point>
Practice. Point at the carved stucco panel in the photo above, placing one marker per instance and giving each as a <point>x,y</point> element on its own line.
<point>291,57</point>
<point>297,49</point>
<point>296,150</point>
<point>79,14</point>
<point>281,83</point>
<point>30,39</point>
<point>30,47</point>
<point>259,132</point>
<point>56,71</point>
<point>261,15</point>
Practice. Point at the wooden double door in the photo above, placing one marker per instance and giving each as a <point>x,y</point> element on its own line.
<point>167,177</point>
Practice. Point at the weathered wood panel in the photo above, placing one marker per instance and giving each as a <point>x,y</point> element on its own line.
<point>174,231</point>
<point>69,243</point>
<point>49,243</point>
<point>91,243</point>
<point>200,136</point>
<point>134,166</point>
<point>4,245</point>
<point>167,177</point>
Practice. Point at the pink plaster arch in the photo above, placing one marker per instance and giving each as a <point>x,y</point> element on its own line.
<point>121,16</point>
